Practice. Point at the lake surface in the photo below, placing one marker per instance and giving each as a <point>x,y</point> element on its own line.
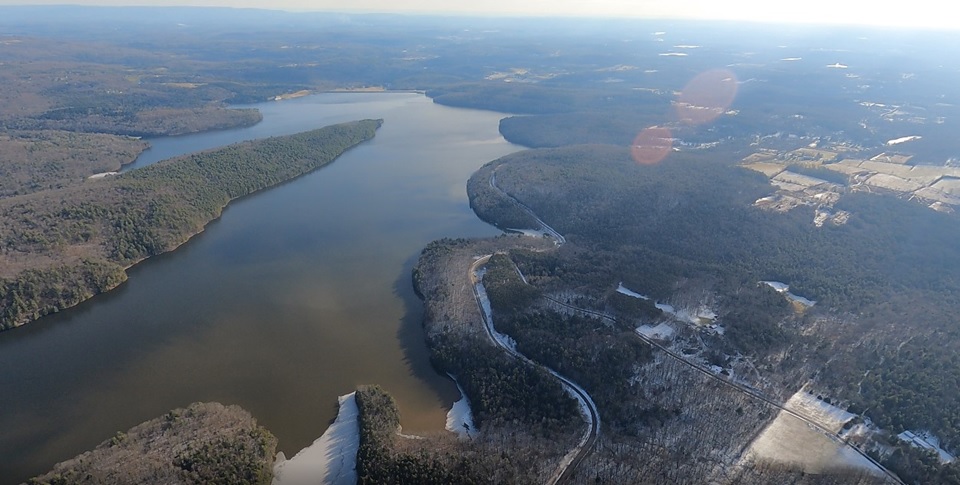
<point>294,296</point>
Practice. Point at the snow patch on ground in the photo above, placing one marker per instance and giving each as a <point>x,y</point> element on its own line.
<point>103,174</point>
<point>696,317</point>
<point>587,408</point>
<point>686,315</point>
<point>503,339</point>
<point>583,399</point>
<point>785,290</point>
<point>801,300</point>
<point>666,308</point>
<point>897,141</point>
<point>530,232</point>
<point>776,285</point>
<point>626,291</point>
<point>460,415</point>
<point>925,439</point>
<point>823,413</point>
<point>661,331</point>
<point>331,459</point>
<point>705,313</point>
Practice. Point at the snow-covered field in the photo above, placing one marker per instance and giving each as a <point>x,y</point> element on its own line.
<point>331,459</point>
<point>700,316</point>
<point>660,332</point>
<point>826,415</point>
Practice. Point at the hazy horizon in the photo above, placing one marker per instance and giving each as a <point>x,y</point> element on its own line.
<point>822,12</point>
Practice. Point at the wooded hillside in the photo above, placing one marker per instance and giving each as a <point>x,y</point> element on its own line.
<point>202,444</point>
<point>60,247</point>
<point>881,337</point>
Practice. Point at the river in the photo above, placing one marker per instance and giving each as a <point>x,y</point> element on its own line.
<point>293,297</point>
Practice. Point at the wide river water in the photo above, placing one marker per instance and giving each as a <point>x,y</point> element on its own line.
<point>294,296</point>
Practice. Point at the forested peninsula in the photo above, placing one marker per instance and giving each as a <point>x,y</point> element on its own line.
<point>202,443</point>
<point>675,233</point>
<point>60,247</point>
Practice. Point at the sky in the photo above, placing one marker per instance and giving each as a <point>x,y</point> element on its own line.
<point>914,13</point>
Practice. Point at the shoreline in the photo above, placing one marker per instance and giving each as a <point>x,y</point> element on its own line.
<point>460,415</point>
<point>331,458</point>
<point>371,91</point>
<point>50,309</point>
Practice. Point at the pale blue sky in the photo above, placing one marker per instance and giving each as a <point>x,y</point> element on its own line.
<point>913,13</point>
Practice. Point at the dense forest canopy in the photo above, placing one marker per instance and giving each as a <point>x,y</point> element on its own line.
<point>691,218</point>
<point>109,224</point>
<point>881,340</point>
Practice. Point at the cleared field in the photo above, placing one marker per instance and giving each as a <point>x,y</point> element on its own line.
<point>790,440</point>
<point>887,168</point>
<point>760,157</point>
<point>815,154</point>
<point>846,169</point>
<point>919,171</point>
<point>798,179</point>
<point>949,186</point>
<point>892,158</point>
<point>890,182</point>
<point>787,186</point>
<point>826,415</point>
<point>932,194</point>
<point>766,168</point>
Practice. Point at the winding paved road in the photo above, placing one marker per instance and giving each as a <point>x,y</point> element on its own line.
<point>557,237</point>
<point>572,459</point>
<point>754,393</point>
<point>576,456</point>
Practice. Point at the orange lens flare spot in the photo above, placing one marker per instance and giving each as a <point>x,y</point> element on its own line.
<point>652,145</point>
<point>707,96</point>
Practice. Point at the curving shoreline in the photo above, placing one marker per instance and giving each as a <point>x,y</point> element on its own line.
<point>149,212</point>
<point>332,458</point>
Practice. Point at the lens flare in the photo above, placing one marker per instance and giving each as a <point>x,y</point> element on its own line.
<point>706,96</point>
<point>652,145</point>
